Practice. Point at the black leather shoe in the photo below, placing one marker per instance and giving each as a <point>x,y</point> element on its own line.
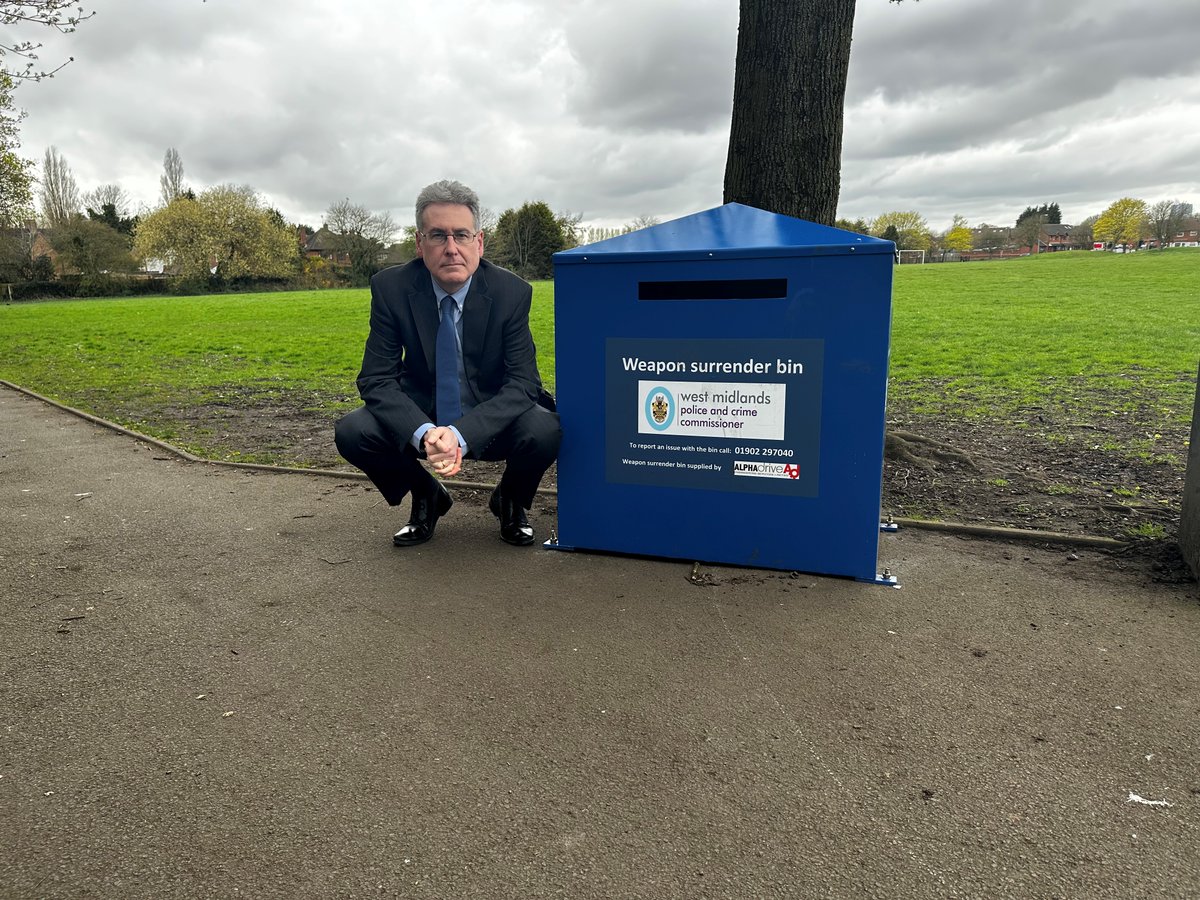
<point>514,527</point>
<point>426,510</point>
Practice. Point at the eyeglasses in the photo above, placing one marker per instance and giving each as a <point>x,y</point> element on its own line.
<point>462,237</point>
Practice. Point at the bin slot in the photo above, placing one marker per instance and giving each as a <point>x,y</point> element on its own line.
<point>730,289</point>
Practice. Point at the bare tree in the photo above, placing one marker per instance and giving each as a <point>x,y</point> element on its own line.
<point>1081,234</point>
<point>1028,231</point>
<point>56,14</point>
<point>572,231</point>
<point>58,193</point>
<point>112,194</point>
<point>642,221</point>
<point>171,180</point>
<point>361,234</point>
<point>1166,221</point>
<point>487,224</point>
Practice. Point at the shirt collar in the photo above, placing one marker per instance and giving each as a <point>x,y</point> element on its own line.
<point>459,296</point>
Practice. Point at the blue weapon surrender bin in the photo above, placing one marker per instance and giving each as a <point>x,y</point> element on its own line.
<point>721,381</point>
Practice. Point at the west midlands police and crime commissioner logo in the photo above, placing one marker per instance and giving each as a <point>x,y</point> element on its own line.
<point>660,409</point>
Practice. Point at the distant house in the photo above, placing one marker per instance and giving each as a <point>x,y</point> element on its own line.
<point>26,244</point>
<point>324,245</point>
<point>1057,237</point>
<point>1188,234</point>
<point>1001,242</point>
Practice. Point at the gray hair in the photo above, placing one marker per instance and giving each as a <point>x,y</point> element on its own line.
<point>448,192</point>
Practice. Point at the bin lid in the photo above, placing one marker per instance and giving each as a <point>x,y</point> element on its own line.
<point>732,231</point>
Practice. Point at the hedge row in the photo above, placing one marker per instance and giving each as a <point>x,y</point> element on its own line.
<point>71,287</point>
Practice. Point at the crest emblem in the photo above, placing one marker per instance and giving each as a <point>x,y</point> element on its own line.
<point>659,408</point>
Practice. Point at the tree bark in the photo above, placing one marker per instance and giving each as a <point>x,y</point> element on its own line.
<point>785,142</point>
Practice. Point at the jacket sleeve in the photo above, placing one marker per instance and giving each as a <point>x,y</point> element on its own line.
<point>394,381</point>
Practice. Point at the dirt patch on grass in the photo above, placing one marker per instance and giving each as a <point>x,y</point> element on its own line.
<point>1119,478</point>
<point>1046,477</point>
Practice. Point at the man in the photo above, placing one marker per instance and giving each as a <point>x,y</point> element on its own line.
<point>450,371</point>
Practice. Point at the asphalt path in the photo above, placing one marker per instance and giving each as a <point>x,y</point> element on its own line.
<point>222,683</point>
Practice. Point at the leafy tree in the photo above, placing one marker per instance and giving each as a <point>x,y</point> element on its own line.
<point>1123,222</point>
<point>59,194</point>
<point>891,233</point>
<point>91,247</point>
<point>1166,220</point>
<point>56,14</point>
<point>171,180</point>
<point>785,139</point>
<point>1050,214</point>
<point>958,236</point>
<point>109,216</point>
<point>910,228</point>
<point>16,189</point>
<point>16,182</point>
<point>225,231</point>
<point>858,226</point>
<point>361,234</point>
<point>526,239</point>
<point>253,242</point>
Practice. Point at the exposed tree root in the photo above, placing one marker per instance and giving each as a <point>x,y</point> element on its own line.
<point>922,452</point>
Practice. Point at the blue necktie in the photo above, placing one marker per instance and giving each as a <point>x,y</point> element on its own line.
<point>449,402</point>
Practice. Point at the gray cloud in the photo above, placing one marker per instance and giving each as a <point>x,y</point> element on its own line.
<point>649,67</point>
<point>618,109</point>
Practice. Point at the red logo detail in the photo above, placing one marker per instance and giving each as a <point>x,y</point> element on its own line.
<point>792,471</point>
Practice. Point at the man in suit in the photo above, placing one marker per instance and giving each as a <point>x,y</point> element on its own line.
<point>450,371</point>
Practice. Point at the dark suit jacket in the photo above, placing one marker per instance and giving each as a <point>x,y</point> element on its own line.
<point>397,377</point>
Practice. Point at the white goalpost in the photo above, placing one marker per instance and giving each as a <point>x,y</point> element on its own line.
<point>905,257</point>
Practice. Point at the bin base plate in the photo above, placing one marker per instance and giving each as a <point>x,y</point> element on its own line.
<point>886,578</point>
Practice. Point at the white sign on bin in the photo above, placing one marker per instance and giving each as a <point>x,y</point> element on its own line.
<point>713,409</point>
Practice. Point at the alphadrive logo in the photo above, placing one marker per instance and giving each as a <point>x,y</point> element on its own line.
<point>660,408</point>
<point>766,469</point>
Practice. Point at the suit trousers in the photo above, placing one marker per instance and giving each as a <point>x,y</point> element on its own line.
<point>528,446</point>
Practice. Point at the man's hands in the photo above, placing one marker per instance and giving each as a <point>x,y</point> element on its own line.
<point>442,452</point>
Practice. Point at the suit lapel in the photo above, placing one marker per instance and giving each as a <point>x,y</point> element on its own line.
<point>424,312</point>
<point>477,309</point>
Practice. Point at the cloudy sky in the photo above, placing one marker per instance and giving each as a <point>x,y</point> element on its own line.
<point>617,108</point>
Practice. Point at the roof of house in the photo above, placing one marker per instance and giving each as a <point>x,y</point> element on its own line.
<point>322,241</point>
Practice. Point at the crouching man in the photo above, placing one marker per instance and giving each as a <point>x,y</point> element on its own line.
<point>450,372</point>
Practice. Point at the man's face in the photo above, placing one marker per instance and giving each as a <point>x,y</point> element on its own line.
<point>451,263</point>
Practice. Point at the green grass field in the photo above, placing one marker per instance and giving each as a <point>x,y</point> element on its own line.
<point>1099,331</point>
<point>982,339</point>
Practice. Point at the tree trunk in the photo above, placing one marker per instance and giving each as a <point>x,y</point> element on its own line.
<point>785,143</point>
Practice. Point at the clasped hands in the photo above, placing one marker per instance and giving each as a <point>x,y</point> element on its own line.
<point>442,452</point>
